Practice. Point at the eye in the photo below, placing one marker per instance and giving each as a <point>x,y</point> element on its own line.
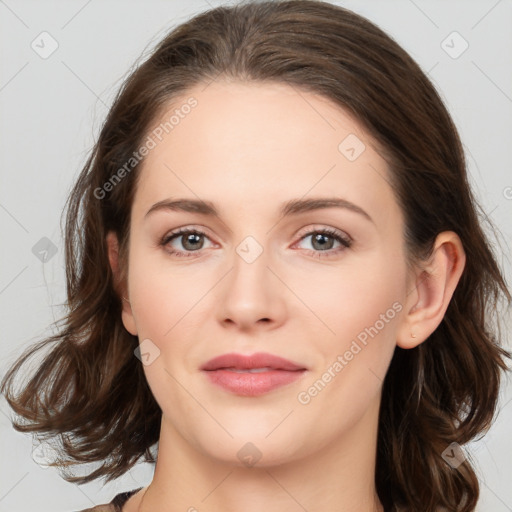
<point>191,241</point>
<point>323,239</point>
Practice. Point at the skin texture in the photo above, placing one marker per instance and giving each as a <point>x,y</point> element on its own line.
<point>248,148</point>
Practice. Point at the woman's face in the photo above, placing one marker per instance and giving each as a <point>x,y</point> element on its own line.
<point>260,282</point>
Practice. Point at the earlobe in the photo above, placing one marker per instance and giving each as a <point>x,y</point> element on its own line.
<point>120,286</point>
<point>433,288</point>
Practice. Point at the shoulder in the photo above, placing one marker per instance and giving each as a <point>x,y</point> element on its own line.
<point>108,507</point>
<point>115,505</point>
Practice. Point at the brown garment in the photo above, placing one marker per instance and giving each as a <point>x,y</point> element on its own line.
<point>116,505</point>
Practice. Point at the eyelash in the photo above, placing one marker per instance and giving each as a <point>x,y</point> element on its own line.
<point>344,241</point>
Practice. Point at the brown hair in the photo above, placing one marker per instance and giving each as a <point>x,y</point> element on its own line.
<point>91,391</point>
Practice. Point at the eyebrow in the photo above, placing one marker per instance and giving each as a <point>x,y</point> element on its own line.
<point>292,207</point>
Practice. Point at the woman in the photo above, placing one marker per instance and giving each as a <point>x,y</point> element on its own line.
<point>276,272</point>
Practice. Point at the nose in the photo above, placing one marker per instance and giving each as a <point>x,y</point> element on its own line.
<point>251,295</point>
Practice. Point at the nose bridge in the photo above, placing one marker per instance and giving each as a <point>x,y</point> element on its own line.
<point>250,260</point>
<point>250,250</point>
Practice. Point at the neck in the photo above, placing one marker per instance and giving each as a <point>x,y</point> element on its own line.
<point>338,477</point>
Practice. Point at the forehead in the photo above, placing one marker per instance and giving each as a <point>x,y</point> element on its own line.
<point>252,143</point>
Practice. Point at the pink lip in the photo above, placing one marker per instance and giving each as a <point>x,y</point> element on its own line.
<point>281,372</point>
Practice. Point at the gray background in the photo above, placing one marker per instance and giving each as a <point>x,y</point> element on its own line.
<point>51,112</point>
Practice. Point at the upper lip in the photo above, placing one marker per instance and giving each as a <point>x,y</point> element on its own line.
<point>247,362</point>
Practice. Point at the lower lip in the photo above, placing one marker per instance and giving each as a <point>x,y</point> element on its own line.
<point>252,384</point>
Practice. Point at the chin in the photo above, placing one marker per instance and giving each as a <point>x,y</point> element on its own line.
<point>254,451</point>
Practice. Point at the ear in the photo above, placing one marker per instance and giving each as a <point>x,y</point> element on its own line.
<point>121,287</point>
<point>431,290</point>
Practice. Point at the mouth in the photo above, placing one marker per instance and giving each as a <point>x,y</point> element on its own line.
<point>251,375</point>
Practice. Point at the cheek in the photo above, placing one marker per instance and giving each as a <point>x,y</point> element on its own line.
<point>151,310</point>
<point>361,311</point>
<point>162,302</point>
<point>161,309</point>
<point>352,298</point>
